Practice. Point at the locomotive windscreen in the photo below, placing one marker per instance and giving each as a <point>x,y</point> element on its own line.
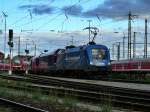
<point>98,54</point>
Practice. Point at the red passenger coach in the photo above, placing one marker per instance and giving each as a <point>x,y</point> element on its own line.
<point>133,65</point>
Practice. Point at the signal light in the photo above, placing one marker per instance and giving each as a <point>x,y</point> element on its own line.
<point>26,51</point>
<point>10,42</point>
<point>10,35</point>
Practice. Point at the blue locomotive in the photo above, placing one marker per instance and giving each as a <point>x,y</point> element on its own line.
<point>91,58</point>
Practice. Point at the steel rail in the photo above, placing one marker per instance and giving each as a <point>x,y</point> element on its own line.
<point>21,106</point>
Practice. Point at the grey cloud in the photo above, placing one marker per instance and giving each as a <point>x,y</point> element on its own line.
<point>27,6</point>
<point>74,10</point>
<point>107,9</point>
<point>38,9</point>
<point>119,8</point>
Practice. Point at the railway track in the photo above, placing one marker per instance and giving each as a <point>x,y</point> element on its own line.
<point>19,106</point>
<point>127,81</point>
<point>124,97</point>
<point>137,81</point>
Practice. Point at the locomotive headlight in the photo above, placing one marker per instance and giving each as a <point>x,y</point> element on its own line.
<point>91,63</point>
<point>101,64</point>
<point>98,63</point>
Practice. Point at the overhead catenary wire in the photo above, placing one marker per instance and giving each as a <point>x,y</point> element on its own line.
<point>19,20</point>
<point>68,9</point>
<point>24,17</point>
<point>66,19</point>
<point>49,21</point>
<point>33,20</point>
<point>29,22</point>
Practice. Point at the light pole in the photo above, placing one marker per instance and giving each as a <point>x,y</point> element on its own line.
<point>124,36</point>
<point>5,16</point>
<point>34,48</point>
<point>123,44</point>
<point>113,50</point>
<point>134,44</point>
<point>19,46</point>
<point>116,44</point>
<point>118,51</point>
<point>27,52</point>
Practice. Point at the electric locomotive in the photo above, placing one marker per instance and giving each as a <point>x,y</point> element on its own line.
<point>86,58</point>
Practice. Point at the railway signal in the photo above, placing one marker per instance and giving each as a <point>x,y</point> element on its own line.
<point>26,51</point>
<point>10,34</point>
<point>10,43</point>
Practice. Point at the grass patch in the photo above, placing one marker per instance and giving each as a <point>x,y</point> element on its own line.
<point>106,108</point>
<point>5,109</point>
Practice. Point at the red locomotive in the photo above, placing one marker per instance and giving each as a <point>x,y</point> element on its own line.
<point>44,62</point>
<point>4,67</point>
<point>19,63</point>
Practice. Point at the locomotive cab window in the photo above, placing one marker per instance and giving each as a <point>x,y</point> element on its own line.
<point>98,54</point>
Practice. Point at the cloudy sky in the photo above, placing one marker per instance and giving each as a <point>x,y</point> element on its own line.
<point>52,24</point>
